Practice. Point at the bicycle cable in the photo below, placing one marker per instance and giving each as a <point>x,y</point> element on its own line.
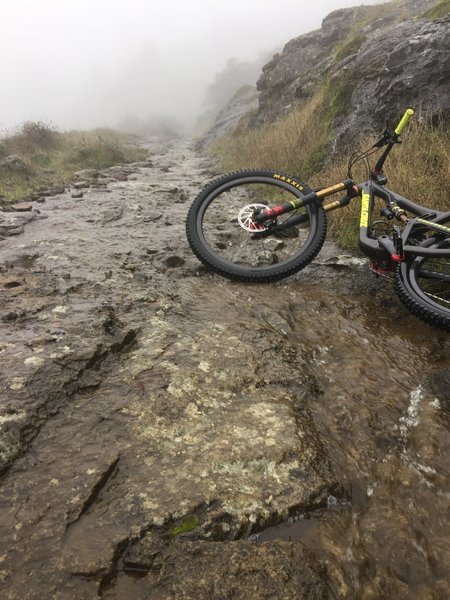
<point>360,156</point>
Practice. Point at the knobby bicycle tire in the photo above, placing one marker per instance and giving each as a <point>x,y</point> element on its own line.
<point>216,221</point>
<point>423,285</point>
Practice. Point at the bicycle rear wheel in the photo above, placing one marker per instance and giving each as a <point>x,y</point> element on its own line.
<point>223,235</point>
<point>423,285</point>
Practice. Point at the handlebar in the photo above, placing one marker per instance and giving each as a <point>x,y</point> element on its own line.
<point>403,121</point>
<point>389,140</point>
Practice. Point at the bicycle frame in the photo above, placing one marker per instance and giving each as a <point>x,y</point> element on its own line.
<point>382,248</point>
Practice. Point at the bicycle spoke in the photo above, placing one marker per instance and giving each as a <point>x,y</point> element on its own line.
<point>234,240</point>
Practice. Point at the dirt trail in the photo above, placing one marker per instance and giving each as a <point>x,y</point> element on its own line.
<point>165,433</point>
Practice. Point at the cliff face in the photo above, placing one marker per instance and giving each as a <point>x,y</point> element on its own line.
<point>373,61</point>
<point>244,101</point>
<point>370,62</point>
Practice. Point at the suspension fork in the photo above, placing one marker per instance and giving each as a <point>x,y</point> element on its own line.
<point>280,209</point>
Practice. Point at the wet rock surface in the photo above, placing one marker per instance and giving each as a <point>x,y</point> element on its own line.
<point>157,420</point>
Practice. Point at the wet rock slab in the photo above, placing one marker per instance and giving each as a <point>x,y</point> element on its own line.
<point>230,570</point>
<point>155,418</point>
<point>126,407</point>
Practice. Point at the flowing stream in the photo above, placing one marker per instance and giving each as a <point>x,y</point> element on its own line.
<point>166,433</point>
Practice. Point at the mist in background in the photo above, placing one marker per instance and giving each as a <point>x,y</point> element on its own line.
<point>89,63</point>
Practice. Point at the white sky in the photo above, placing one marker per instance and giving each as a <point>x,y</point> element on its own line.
<point>82,63</point>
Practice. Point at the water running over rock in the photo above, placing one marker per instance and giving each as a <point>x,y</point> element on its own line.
<point>166,433</point>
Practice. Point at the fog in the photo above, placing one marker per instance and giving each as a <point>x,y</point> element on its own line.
<point>86,63</point>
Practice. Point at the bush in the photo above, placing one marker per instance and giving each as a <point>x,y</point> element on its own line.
<point>97,153</point>
<point>37,156</point>
<point>438,10</point>
<point>32,137</point>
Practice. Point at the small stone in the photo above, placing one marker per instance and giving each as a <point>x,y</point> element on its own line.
<point>174,261</point>
<point>54,191</point>
<point>139,276</point>
<point>87,173</point>
<point>331,501</point>
<point>77,194</point>
<point>36,196</point>
<point>9,317</point>
<point>22,206</point>
<point>10,230</point>
<point>78,185</point>
<point>151,218</point>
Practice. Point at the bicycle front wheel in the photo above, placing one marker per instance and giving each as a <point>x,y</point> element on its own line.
<point>223,235</point>
<point>423,285</point>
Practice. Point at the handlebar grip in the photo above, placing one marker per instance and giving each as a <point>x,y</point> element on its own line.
<point>404,120</point>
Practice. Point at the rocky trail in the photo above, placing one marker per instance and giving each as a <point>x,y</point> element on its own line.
<point>168,434</point>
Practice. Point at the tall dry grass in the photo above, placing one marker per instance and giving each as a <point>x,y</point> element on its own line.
<point>297,143</point>
<point>300,144</point>
<point>418,168</point>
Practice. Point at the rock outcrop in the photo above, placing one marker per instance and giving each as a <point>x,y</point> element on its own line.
<point>370,62</point>
<point>373,61</point>
<point>243,101</point>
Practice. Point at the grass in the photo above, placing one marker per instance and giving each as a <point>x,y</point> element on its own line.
<point>300,144</point>
<point>38,156</point>
<point>438,10</point>
<point>418,169</point>
<point>296,143</point>
<point>349,46</point>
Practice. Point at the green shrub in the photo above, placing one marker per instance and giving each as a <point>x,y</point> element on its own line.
<point>32,137</point>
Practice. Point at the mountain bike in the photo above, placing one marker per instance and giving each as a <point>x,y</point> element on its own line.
<point>262,225</point>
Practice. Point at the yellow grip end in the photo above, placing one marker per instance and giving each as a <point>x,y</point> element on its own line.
<point>404,120</point>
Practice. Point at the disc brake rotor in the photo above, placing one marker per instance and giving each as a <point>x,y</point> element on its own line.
<point>245,217</point>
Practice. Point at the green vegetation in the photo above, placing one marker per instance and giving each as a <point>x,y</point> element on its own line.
<point>349,46</point>
<point>337,94</point>
<point>188,523</point>
<point>38,156</point>
<point>438,10</point>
